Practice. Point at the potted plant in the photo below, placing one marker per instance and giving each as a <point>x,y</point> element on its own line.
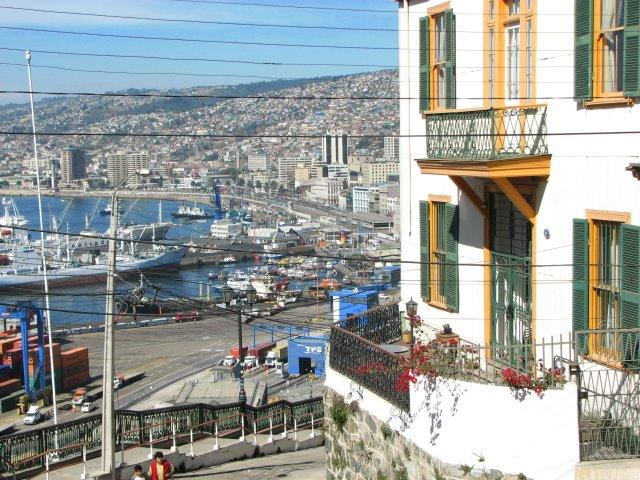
<point>407,336</point>
<point>447,337</point>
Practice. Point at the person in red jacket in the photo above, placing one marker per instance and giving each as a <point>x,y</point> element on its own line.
<point>160,469</point>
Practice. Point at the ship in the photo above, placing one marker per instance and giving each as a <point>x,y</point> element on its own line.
<point>191,213</point>
<point>142,232</point>
<point>239,281</point>
<point>12,219</point>
<point>25,270</point>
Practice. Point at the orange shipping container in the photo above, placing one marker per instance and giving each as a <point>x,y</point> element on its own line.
<point>6,345</point>
<point>73,356</point>
<point>33,355</point>
<point>9,386</point>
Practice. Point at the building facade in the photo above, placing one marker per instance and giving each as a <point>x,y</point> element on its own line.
<point>225,229</point>
<point>286,169</point>
<point>374,173</point>
<point>521,233</point>
<point>120,165</point>
<point>362,198</point>
<point>392,148</point>
<point>335,149</point>
<point>72,165</point>
<point>257,162</point>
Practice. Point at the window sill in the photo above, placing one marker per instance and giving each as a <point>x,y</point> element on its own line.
<point>605,102</point>
<point>439,305</point>
<point>605,361</point>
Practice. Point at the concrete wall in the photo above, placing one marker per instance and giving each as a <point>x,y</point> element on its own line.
<point>455,423</point>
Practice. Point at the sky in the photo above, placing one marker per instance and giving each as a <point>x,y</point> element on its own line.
<point>161,73</point>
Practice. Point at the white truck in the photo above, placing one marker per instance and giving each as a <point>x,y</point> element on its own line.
<point>33,415</point>
<point>250,361</point>
<point>278,354</point>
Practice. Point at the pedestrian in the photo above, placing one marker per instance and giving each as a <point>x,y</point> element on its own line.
<point>160,469</point>
<point>138,474</point>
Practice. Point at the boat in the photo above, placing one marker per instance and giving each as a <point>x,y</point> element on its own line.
<point>106,211</point>
<point>228,259</point>
<point>266,286</point>
<point>191,213</point>
<point>25,269</point>
<point>11,218</point>
<point>239,281</point>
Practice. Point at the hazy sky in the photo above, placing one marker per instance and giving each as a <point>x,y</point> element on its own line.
<point>14,77</point>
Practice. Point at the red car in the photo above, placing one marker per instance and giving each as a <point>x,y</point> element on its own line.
<point>191,316</point>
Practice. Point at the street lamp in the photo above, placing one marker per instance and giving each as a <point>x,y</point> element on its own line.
<point>227,296</point>
<point>108,362</point>
<point>412,310</point>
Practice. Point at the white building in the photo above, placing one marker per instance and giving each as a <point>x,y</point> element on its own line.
<point>257,162</point>
<point>392,148</point>
<point>335,148</point>
<point>374,173</point>
<point>287,166</point>
<point>362,197</point>
<point>520,230</point>
<point>225,229</point>
<point>326,190</point>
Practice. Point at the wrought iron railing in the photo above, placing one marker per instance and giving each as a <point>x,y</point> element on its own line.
<point>381,324</point>
<point>30,450</point>
<point>489,134</point>
<point>367,364</point>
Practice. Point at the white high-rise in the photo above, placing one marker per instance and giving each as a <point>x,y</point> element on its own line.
<point>335,148</point>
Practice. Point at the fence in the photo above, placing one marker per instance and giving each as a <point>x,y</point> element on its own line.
<point>487,134</point>
<point>378,325</point>
<point>35,449</point>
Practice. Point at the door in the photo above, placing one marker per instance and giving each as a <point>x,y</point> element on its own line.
<point>510,285</point>
<point>305,365</point>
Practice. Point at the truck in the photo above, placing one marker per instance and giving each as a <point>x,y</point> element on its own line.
<point>277,354</point>
<point>33,415</point>
<point>120,381</point>
<point>235,352</point>
<point>250,361</point>
<point>261,351</point>
<point>191,316</point>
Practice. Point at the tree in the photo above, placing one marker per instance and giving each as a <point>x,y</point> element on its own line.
<point>240,182</point>
<point>249,184</point>
<point>280,189</point>
<point>258,185</point>
<point>267,186</point>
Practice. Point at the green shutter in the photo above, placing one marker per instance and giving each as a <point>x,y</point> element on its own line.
<point>581,279</point>
<point>450,58</point>
<point>583,50</point>
<point>631,56</point>
<point>425,292</point>
<point>424,64</point>
<point>451,287</point>
<point>629,293</point>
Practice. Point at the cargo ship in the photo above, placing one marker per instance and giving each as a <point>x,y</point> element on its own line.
<point>25,270</point>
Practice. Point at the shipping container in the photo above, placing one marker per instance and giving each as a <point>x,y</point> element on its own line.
<point>234,352</point>
<point>8,344</point>
<point>260,351</point>
<point>5,372</point>
<point>9,386</point>
<point>307,355</point>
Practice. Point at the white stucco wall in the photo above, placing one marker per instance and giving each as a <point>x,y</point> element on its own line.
<point>457,422</point>
<point>587,171</point>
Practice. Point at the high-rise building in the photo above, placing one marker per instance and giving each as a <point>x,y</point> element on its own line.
<point>286,169</point>
<point>334,149</point>
<point>374,173</point>
<point>392,148</point>
<point>257,162</point>
<point>72,165</point>
<point>122,164</point>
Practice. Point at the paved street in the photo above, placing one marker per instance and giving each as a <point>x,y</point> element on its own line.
<point>303,464</point>
<point>169,353</point>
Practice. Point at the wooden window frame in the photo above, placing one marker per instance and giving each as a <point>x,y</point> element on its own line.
<point>526,70</point>
<point>436,103</point>
<point>598,52</point>
<point>596,352</point>
<point>432,200</point>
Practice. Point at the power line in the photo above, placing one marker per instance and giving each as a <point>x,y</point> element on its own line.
<point>200,22</point>
<point>200,40</point>
<point>279,5</point>
<point>211,60</point>
<point>308,136</point>
<point>275,97</point>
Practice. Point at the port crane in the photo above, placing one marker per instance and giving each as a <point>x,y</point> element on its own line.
<point>26,311</point>
<point>218,212</point>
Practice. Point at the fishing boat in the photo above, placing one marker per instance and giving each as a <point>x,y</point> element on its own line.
<point>106,211</point>
<point>239,281</point>
<point>191,213</point>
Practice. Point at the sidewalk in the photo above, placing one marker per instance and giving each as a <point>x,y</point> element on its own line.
<point>204,454</point>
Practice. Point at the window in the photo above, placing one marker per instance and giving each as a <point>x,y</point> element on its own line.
<point>510,51</point>
<point>607,50</point>
<point>438,65</point>
<point>439,254</point>
<point>437,59</point>
<point>606,288</point>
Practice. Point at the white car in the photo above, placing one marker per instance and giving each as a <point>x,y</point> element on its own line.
<point>250,361</point>
<point>86,407</point>
<point>33,415</point>
<point>229,361</point>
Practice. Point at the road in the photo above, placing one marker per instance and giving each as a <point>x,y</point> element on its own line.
<point>168,353</point>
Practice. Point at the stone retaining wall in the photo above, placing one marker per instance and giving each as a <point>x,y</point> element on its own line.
<point>366,448</point>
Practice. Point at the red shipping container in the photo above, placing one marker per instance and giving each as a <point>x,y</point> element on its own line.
<point>8,344</point>
<point>76,355</point>
<point>33,355</point>
<point>15,356</point>
<point>9,386</point>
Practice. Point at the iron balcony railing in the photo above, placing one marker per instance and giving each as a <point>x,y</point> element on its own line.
<point>381,324</point>
<point>29,450</point>
<point>488,134</point>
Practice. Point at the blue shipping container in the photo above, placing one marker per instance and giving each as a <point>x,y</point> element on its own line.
<point>307,355</point>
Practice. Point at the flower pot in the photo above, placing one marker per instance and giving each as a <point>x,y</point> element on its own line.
<point>451,339</point>
<point>407,337</point>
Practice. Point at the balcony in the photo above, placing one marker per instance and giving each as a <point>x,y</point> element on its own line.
<point>505,133</point>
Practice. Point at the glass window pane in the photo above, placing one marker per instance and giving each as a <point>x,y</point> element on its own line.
<point>612,62</point>
<point>513,58</point>
<point>439,38</point>
<point>514,7</point>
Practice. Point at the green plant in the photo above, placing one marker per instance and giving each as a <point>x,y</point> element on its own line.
<point>521,476</point>
<point>361,445</point>
<point>438,474</point>
<point>407,452</point>
<point>386,431</point>
<point>401,474</point>
<point>381,476</point>
<point>338,462</point>
<point>339,413</point>
<point>465,469</point>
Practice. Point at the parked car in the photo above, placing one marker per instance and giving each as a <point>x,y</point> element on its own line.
<point>250,361</point>
<point>33,415</point>
<point>229,361</point>
<point>86,407</point>
<point>191,316</point>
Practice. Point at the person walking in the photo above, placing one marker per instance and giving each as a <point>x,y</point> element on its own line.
<point>138,474</point>
<point>160,468</point>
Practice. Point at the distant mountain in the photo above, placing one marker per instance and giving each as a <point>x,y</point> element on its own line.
<point>210,116</point>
